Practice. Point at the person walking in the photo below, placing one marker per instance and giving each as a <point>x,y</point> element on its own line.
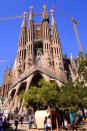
<point>30,122</point>
<point>16,124</point>
<point>21,120</point>
<point>49,124</point>
<point>1,124</point>
<point>45,123</point>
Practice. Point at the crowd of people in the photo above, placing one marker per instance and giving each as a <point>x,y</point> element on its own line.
<point>65,120</point>
<point>4,122</point>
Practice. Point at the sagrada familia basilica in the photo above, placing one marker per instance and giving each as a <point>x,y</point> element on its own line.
<point>39,55</point>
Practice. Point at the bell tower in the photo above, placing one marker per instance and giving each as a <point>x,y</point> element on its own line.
<point>46,38</point>
<point>39,46</point>
<point>21,53</point>
<point>56,45</point>
<point>30,40</point>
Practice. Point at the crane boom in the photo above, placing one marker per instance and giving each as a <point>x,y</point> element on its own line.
<point>12,17</point>
<point>75,23</point>
<point>25,14</point>
<point>3,61</point>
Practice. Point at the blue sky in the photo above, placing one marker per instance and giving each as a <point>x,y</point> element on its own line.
<point>10,29</point>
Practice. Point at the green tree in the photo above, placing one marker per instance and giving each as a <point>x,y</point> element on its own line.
<point>69,95</point>
<point>82,72</point>
<point>50,93</point>
<point>73,96</point>
<point>44,95</point>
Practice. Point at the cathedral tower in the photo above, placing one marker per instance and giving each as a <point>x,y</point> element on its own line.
<point>39,55</point>
<point>21,53</point>
<point>39,44</point>
<point>30,40</point>
<point>46,38</point>
<point>56,45</point>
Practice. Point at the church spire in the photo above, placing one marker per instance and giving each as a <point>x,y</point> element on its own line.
<point>24,20</point>
<point>45,14</point>
<point>56,45</point>
<point>52,18</point>
<point>31,14</point>
<point>22,40</point>
<point>21,53</point>
<point>30,40</point>
<point>31,25</point>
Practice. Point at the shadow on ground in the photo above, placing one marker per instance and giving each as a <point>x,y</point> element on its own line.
<point>11,129</point>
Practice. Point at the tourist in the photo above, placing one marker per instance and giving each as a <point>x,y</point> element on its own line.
<point>30,122</point>
<point>1,124</point>
<point>65,123</point>
<point>45,122</point>
<point>49,124</point>
<point>16,123</point>
<point>72,118</point>
<point>21,120</point>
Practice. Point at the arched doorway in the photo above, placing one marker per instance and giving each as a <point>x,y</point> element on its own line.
<point>12,94</point>
<point>22,88</point>
<point>36,78</point>
<point>18,100</point>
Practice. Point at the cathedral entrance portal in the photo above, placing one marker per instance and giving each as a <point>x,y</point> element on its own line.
<point>37,77</point>
<point>18,99</point>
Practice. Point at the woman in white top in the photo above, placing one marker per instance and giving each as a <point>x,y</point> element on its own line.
<point>49,124</point>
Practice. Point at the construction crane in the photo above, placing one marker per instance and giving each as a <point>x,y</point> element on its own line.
<point>75,24</point>
<point>11,18</point>
<point>14,17</point>
<point>3,61</point>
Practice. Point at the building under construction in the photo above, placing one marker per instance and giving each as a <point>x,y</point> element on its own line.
<point>39,55</point>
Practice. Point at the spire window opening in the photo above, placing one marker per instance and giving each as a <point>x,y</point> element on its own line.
<point>21,39</point>
<point>31,49</point>
<point>24,53</point>
<point>24,65</point>
<point>20,53</point>
<point>47,46</point>
<point>57,50</point>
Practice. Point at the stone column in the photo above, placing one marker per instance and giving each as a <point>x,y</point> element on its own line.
<point>27,86</point>
<point>13,103</point>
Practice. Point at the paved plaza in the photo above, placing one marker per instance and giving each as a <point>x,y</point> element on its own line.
<point>24,127</point>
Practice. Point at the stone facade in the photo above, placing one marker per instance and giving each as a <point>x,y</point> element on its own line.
<point>7,81</point>
<point>39,55</point>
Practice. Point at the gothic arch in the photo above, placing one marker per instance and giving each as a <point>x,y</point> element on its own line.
<point>18,100</point>
<point>36,77</point>
<point>22,88</point>
<point>12,93</point>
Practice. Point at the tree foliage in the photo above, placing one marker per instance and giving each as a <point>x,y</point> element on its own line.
<point>70,95</point>
<point>73,96</point>
<point>82,72</point>
<point>42,96</point>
